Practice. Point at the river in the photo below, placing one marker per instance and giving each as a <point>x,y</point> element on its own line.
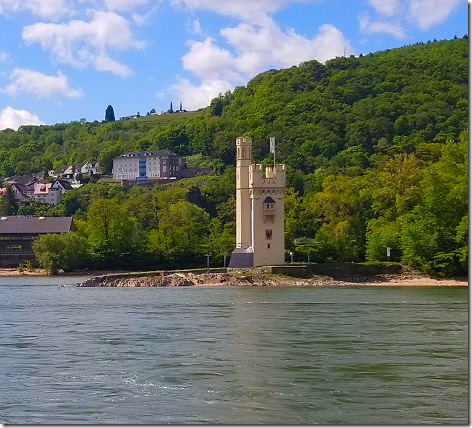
<point>232,355</point>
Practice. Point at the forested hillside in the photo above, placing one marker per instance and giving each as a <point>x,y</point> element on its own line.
<point>376,148</point>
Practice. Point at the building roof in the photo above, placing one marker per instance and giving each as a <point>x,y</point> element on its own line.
<point>42,188</point>
<point>61,169</point>
<point>35,225</point>
<point>268,200</point>
<point>165,152</point>
<point>21,179</point>
<point>65,184</point>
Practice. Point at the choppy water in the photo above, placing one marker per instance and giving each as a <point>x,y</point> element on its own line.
<point>233,355</point>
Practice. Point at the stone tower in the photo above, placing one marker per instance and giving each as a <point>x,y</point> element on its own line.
<point>259,211</point>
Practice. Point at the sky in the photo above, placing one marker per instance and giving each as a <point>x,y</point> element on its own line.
<point>64,60</point>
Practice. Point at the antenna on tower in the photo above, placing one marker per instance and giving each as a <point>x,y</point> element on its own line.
<point>272,147</point>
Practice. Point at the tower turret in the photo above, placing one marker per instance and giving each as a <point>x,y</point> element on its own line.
<point>243,199</point>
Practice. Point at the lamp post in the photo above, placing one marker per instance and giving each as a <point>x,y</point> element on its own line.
<point>224,260</point>
<point>208,261</point>
<point>291,256</point>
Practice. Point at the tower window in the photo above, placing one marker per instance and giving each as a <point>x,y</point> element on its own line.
<point>268,233</point>
<point>268,246</point>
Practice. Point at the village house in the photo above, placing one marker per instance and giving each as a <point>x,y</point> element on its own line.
<point>17,234</point>
<point>23,194</point>
<point>71,172</point>
<point>50,193</point>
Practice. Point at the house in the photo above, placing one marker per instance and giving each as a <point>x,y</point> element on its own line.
<point>50,193</point>
<point>22,193</point>
<point>17,234</point>
<point>144,165</point>
<point>65,172</point>
<point>89,168</point>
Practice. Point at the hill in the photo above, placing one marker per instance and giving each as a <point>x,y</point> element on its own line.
<point>376,149</point>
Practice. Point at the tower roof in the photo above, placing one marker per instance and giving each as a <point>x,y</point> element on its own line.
<point>268,200</point>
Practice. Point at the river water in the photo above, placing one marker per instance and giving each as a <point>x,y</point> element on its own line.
<point>233,355</point>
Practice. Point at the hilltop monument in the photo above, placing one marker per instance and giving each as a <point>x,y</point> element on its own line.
<point>260,237</point>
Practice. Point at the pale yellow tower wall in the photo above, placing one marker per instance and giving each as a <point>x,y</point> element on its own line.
<point>243,199</point>
<point>268,238</point>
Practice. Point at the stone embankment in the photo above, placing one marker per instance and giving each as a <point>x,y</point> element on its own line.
<point>180,279</point>
<point>333,276</point>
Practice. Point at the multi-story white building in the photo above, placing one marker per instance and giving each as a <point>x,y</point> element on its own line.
<point>145,165</point>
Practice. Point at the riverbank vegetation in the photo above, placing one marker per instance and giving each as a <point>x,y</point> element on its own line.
<point>376,149</point>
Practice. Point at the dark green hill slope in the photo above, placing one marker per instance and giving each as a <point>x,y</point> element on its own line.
<point>377,155</point>
<point>350,111</point>
<point>352,108</point>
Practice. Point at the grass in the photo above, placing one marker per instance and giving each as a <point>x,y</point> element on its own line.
<point>165,119</point>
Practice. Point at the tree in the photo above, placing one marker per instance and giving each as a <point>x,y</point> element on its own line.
<point>109,114</point>
<point>115,238</point>
<point>8,204</point>
<point>67,251</point>
<point>106,157</point>
<point>171,110</point>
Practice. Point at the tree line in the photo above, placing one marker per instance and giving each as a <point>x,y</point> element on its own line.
<point>375,147</point>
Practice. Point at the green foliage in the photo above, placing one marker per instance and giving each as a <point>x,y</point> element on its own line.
<point>374,155</point>
<point>67,251</point>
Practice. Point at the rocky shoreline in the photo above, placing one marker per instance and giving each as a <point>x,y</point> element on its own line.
<point>185,279</point>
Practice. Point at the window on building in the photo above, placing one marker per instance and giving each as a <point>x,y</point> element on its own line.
<point>268,233</point>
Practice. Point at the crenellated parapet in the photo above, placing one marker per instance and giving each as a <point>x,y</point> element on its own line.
<point>270,178</point>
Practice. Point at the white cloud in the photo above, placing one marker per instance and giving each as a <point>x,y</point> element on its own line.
<point>11,118</point>
<point>197,96</point>
<point>4,57</point>
<point>51,9</point>
<point>370,27</point>
<point>386,7</point>
<point>194,27</point>
<point>81,44</point>
<point>428,13</point>
<point>208,61</point>
<point>247,9</point>
<point>424,14</point>
<point>257,47</point>
<point>40,85</point>
<point>124,5</point>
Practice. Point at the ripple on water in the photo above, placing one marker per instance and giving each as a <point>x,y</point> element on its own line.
<point>233,355</point>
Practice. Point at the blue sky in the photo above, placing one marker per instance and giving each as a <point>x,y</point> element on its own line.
<point>63,60</point>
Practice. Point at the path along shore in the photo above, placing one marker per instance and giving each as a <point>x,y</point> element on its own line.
<point>175,279</point>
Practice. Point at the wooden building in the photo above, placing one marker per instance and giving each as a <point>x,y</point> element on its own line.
<point>17,234</point>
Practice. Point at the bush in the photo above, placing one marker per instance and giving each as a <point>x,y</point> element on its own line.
<point>66,251</point>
